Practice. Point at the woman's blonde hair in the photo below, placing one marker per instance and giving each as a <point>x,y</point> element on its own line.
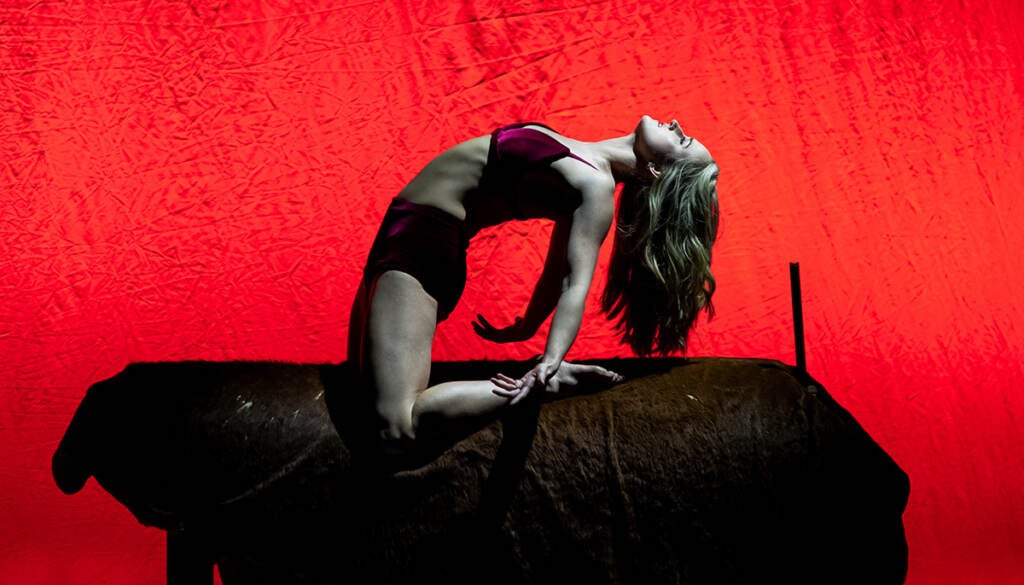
<point>659,277</point>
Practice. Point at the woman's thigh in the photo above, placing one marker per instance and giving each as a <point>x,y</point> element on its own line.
<point>399,335</point>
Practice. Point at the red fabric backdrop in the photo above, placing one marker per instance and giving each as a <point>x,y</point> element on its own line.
<point>202,180</point>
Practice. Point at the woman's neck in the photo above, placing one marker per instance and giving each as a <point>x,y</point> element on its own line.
<point>620,155</point>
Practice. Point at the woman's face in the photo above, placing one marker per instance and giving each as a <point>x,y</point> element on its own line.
<point>657,141</point>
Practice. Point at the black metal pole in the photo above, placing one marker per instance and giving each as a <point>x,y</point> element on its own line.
<point>798,315</point>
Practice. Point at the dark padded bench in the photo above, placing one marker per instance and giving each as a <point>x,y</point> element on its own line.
<point>690,471</point>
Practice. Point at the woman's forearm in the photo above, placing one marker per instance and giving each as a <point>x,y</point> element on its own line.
<point>566,323</point>
<point>543,301</point>
<point>590,224</point>
<point>551,283</point>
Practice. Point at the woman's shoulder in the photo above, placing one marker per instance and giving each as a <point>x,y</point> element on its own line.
<point>591,181</point>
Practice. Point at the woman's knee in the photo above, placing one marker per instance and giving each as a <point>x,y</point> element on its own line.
<point>395,421</point>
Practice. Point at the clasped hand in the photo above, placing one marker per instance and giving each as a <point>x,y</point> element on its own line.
<point>553,378</point>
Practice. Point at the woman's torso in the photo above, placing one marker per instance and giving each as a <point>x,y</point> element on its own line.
<point>474,183</point>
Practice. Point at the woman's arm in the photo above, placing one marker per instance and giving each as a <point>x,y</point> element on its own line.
<point>545,293</point>
<point>590,224</point>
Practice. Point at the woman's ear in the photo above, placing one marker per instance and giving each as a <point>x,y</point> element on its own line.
<point>653,170</point>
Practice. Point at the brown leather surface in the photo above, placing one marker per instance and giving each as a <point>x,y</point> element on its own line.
<point>690,471</point>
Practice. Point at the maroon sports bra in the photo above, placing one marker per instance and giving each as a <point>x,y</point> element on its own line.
<point>516,148</point>
<point>516,144</point>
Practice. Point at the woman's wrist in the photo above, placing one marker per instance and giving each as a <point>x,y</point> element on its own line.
<point>550,362</point>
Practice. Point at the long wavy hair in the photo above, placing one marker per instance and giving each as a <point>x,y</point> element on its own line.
<point>659,278</point>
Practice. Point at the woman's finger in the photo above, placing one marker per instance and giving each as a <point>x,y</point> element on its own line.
<point>519,397</point>
<point>509,385</point>
<point>506,393</point>
<point>527,381</point>
<point>505,378</point>
<point>544,374</point>
<point>482,331</point>
<point>553,385</point>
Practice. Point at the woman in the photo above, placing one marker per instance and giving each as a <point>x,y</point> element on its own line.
<point>659,276</point>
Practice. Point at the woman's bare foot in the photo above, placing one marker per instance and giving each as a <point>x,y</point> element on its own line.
<point>568,377</point>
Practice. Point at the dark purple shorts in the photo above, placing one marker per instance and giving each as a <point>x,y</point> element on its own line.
<point>427,243</point>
